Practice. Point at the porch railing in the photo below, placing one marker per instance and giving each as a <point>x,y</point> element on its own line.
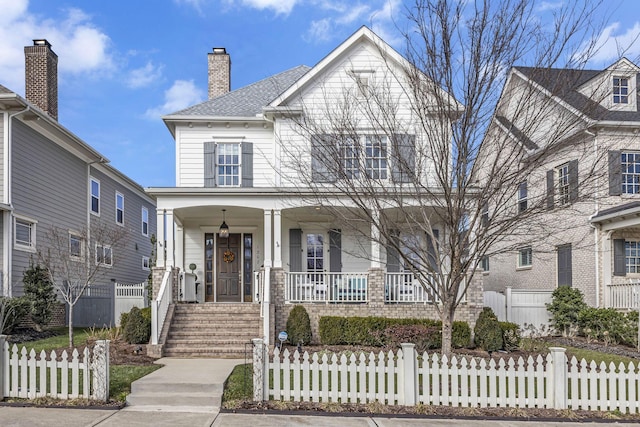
<point>623,295</point>
<point>406,287</point>
<point>326,287</point>
<point>160,307</point>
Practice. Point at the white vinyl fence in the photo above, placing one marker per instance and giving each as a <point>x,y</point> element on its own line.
<point>127,297</point>
<point>25,374</point>
<point>407,378</point>
<point>520,306</point>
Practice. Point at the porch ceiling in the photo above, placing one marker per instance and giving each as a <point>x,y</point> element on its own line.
<point>619,217</point>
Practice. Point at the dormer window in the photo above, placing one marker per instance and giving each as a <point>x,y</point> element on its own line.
<point>620,90</point>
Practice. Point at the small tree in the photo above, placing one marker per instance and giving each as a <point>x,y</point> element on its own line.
<point>565,307</point>
<point>299,326</point>
<point>488,334</point>
<point>40,292</point>
<point>76,261</point>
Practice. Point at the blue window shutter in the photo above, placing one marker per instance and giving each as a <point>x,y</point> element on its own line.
<point>615,173</point>
<point>404,157</point>
<point>247,164</point>
<point>619,259</point>
<point>335,251</point>
<point>295,249</point>
<point>209,164</point>
<point>323,156</point>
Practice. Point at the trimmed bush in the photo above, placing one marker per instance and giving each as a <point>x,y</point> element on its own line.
<point>137,329</point>
<point>460,334</point>
<point>424,337</point>
<point>608,325</point>
<point>123,320</point>
<point>566,304</point>
<point>12,312</point>
<point>488,335</point>
<point>40,292</point>
<point>299,326</point>
<point>510,335</point>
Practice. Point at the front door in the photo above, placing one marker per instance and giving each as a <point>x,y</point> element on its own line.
<point>228,258</point>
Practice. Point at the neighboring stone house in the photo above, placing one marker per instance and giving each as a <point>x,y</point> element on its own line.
<point>50,178</point>
<point>589,187</point>
<point>238,218</point>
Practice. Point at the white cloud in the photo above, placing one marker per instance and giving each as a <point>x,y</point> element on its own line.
<point>615,42</point>
<point>549,5</point>
<point>283,7</point>
<point>319,31</point>
<point>180,95</point>
<point>81,46</point>
<point>353,14</point>
<point>144,76</point>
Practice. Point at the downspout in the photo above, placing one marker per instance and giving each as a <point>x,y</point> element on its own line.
<point>596,230</point>
<point>7,254</point>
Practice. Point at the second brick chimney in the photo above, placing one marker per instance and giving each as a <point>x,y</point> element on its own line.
<point>41,77</point>
<point>219,72</point>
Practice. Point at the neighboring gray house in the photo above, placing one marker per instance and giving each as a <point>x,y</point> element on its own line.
<point>597,249</point>
<point>51,178</point>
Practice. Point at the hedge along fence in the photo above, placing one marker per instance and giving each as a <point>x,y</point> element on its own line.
<point>409,378</point>
<point>25,375</point>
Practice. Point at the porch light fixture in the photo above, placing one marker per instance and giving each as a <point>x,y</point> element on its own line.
<point>224,228</point>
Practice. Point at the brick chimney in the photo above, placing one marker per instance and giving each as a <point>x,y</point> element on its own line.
<point>41,77</point>
<point>219,72</point>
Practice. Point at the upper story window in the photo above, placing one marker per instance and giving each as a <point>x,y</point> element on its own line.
<point>145,263</point>
<point>376,156</point>
<point>630,173</point>
<point>522,197</point>
<point>24,236</point>
<point>119,209</point>
<point>563,184</point>
<point>484,263</point>
<point>350,158</point>
<point>228,164</point>
<point>145,221</point>
<point>95,196</point>
<point>620,90</point>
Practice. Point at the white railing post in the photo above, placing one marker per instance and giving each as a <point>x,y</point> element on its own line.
<point>409,374</point>
<point>266,301</point>
<point>4,354</point>
<point>557,381</point>
<point>258,369</point>
<point>101,370</point>
<point>509,304</point>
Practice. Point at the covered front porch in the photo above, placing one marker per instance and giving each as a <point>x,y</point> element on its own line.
<point>619,258</point>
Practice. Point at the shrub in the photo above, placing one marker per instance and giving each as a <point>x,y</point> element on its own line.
<point>608,325</point>
<point>137,329</point>
<point>299,326</point>
<point>510,335</point>
<point>40,292</point>
<point>566,304</point>
<point>424,337</point>
<point>488,335</point>
<point>460,335</point>
<point>12,312</point>
<point>331,329</point>
<point>123,320</point>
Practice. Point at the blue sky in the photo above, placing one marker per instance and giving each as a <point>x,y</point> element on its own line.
<point>123,64</point>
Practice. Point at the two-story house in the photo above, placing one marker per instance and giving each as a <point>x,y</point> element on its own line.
<point>52,180</point>
<point>245,221</point>
<point>586,189</point>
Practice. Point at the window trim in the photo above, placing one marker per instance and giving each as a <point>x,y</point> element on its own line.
<point>522,197</point>
<point>103,249</point>
<point>625,174</point>
<point>484,262</point>
<point>91,196</point>
<point>146,267</point>
<point>217,164</point>
<point>563,184</point>
<point>627,257</point>
<point>522,251</point>
<point>143,222</point>
<point>32,223</point>
<point>121,223</point>
<point>622,98</point>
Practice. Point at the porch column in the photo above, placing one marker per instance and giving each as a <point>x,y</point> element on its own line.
<point>607,272</point>
<point>375,240</point>
<point>170,238</point>
<point>268,242</point>
<point>179,261</point>
<point>160,254</point>
<point>277,237</point>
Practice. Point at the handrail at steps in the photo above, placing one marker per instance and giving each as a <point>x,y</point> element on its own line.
<point>160,306</point>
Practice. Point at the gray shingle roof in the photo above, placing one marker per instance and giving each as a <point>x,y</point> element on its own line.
<point>249,100</point>
<point>563,84</point>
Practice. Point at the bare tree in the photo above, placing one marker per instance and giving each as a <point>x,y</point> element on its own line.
<point>423,165</point>
<point>75,261</point>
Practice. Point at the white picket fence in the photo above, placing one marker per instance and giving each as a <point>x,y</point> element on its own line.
<point>127,296</point>
<point>407,378</point>
<point>24,374</point>
<point>520,306</point>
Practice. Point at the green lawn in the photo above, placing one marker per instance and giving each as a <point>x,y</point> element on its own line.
<point>60,340</point>
<point>239,385</point>
<point>598,357</point>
